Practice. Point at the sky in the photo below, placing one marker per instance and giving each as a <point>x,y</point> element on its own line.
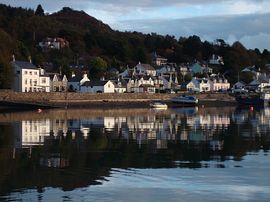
<point>246,21</point>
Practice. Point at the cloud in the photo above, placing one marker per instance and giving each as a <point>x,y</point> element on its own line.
<point>244,20</point>
<point>233,27</point>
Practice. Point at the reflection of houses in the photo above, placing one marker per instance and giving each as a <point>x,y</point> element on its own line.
<point>33,132</point>
<point>29,78</point>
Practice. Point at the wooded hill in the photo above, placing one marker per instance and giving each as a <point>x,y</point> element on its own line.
<point>22,29</point>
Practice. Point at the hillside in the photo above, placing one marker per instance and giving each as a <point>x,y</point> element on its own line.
<point>22,29</point>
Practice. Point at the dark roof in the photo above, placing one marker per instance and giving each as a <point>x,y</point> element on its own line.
<point>146,85</point>
<point>75,79</point>
<point>24,64</point>
<point>94,83</point>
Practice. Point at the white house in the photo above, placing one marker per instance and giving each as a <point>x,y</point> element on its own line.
<point>158,60</point>
<point>53,43</point>
<point>144,69</point>
<point>258,84</point>
<point>135,82</point>
<point>219,83</point>
<point>199,85</point>
<point>216,60</point>
<point>120,86</point>
<point>97,87</point>
<point>29,78</point>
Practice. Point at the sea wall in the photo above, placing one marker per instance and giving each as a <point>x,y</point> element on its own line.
<point>96,99</point>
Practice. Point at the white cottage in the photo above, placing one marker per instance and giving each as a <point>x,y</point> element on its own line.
<point>97,87</point>
<point>144,69</point>
<point>199,85</point>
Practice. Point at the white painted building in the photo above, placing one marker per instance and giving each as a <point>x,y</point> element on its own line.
<point>97,87</point>
<point>144,69</point>
<point>29,78</point>
<point>218,83</point>
<point>135,82</point>
<point>199,85</point>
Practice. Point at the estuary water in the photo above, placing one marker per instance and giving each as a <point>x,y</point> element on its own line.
<point>179,154</point>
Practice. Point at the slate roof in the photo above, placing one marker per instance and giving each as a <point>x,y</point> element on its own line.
<point>94,83</point>
<point>24,65</point>
<point>75,79</point>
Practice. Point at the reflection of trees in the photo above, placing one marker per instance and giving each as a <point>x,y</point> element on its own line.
<point>70,160</point>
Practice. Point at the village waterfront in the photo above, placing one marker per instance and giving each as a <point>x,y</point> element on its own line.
<point>179,154</point>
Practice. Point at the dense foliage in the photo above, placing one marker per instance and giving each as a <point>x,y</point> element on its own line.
<point>91,40</point>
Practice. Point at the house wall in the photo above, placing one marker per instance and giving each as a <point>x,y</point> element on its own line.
<point>76,86</point>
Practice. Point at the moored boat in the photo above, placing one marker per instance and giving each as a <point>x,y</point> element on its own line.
<point>185,99</point>
<point>158,105</point>
<point>258,99</point>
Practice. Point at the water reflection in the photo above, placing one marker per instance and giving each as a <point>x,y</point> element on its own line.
<point>77,148</point>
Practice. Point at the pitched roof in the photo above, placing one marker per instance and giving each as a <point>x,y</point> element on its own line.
<point>24,65</point>
<point>94,83</point>
<point>75,79</point>
<point>146,66</point>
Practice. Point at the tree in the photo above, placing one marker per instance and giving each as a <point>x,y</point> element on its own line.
<point>39,11</point>
<point>5,72</point>
<point>98,66</point>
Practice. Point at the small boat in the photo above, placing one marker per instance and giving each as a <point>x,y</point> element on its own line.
<point>158,105</point>
<point>255,99</point>
<point>185,99</point>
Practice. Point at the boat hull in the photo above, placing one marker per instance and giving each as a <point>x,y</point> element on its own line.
<point>252,101</point>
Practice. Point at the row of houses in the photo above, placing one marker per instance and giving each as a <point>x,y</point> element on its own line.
<point>142,78</point>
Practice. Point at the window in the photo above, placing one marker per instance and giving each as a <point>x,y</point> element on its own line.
<point>25,81</point>
<point>25,72</point>
<point>43,80</point>
<point>30,73</point>
<point>35,73</point>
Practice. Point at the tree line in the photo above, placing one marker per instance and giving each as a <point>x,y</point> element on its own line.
<point>92,42</point>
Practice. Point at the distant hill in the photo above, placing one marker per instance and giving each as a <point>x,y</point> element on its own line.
<point>22,29</point>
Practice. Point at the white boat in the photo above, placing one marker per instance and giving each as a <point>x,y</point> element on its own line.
<point>185,99</point>
<point>158,105</point>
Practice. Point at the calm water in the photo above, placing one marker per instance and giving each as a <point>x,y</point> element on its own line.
<point>183,154</point>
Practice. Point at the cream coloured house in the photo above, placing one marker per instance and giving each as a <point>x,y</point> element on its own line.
<point>218,83</point>
<point>29,78</point>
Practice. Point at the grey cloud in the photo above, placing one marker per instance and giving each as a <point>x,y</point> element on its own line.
<point>52,5</point>
<point>238,27</point>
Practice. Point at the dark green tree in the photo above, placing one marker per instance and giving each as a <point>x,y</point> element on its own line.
<point>39,11</point>
<point>97,67</point>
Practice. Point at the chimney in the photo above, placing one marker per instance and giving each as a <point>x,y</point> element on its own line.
<point>73,75</point>
<point>30,59</point>
<point>13,58</point>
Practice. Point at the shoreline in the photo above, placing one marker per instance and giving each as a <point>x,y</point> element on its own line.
<point>15,100</point>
